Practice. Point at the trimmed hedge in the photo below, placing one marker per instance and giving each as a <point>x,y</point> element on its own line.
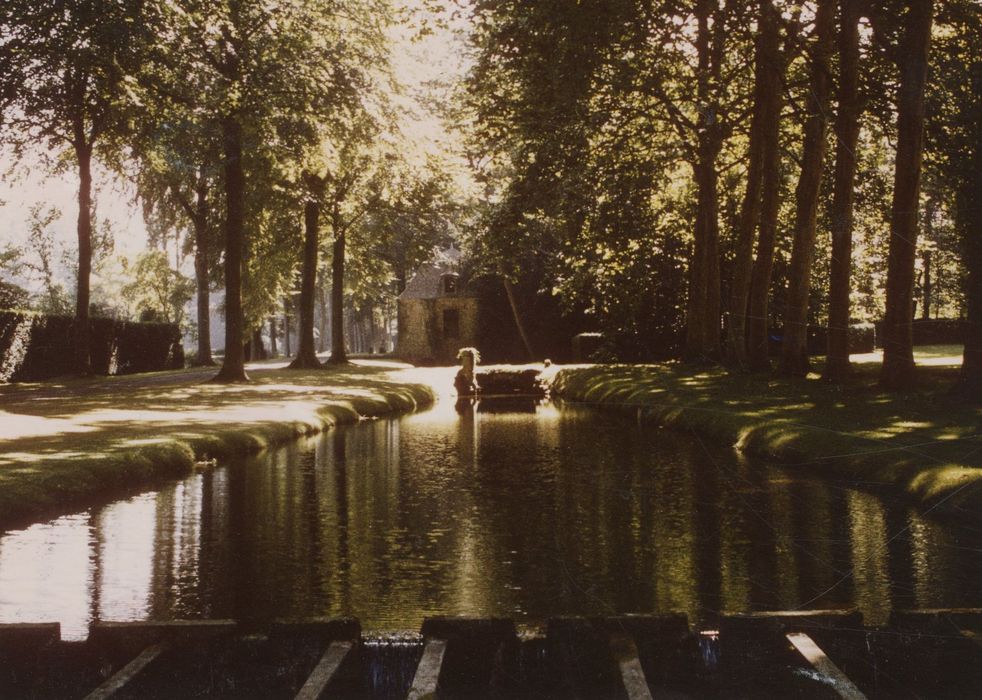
<point>862,338</point>
<point>35,346</point>
<point>932,331</point>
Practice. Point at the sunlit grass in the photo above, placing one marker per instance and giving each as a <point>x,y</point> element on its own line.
<point>926,442</point>
<point>63,442</point>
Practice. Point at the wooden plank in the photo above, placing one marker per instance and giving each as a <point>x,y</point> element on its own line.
<point>428,671</point>
<point>823,665</point>
<point>324,671</point>
<point>126,674</point>
<point>625,653</point>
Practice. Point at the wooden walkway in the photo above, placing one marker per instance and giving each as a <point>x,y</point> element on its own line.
<point>803,654</point>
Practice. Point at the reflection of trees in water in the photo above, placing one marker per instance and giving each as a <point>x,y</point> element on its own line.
<point>870,568</point>
<point>499,514</point>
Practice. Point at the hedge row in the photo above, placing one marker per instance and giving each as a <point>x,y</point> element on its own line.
<point>932,331</point>
<point>36,346</point>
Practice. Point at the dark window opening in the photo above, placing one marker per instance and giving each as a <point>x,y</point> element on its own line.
<point>449,284</point>
<point>451,323</point>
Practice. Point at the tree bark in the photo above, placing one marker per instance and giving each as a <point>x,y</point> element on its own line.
<point>898,347</point>
<point>286,326</point>
<point>516,314</point>
<point>82,331</point>
<point>200,223</point>
<point>324,316</point>
<point>760,286</point>
<point>272,336</point>
<point>794,347</point>
<point>837,367</point>
<point>968,211</point>
<point>703,311</point>
<point>926,311</point>
<point>764,94</point>
<point>233,366</point>
<point>338,354</point>
<point>306,352</point>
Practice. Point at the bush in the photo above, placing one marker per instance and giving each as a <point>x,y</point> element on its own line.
<point>862,339</point>
<point>932,331</point>
<point>36,346</point>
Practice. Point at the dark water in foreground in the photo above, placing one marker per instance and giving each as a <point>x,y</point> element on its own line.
<point>517,511</point>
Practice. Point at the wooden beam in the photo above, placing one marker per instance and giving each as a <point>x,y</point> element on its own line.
<point>625,653</point>
<point>126,674</point>
<point>813,654</point>
<point>428,671</point>
<point>324,671</point>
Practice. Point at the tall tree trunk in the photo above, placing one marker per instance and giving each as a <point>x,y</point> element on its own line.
<point>516,314</point>
<point>324,316</point>
<point>703,310</point>
<point>258,349</point>
<point>286,326</point>
<point>773,179</point>
<point>764,93</point>
<point>272,336</point>
<point>338,354</point>
<point>306,352</point>
<point>926,311</point>
<point>200,222</point>
<point>837,367</point>
<point>968,211</point>
<point>898,346</point>
<point>794,347</point>
<point>233,366</point>
<point>83,334</point>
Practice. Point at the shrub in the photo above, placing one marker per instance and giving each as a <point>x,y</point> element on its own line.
<point>36,346</point>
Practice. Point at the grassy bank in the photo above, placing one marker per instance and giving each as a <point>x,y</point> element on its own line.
<point>67,444</point>
<point>923,443</point>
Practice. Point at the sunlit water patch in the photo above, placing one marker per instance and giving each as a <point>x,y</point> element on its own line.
<point>518,509</point>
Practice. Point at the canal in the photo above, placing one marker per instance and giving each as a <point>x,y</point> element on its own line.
<point>518,509</point>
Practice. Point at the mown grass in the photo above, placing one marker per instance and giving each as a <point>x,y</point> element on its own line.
<point>66,444</point>
<point>925,443</point>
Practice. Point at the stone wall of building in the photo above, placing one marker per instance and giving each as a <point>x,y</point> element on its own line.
<point>426,335</point>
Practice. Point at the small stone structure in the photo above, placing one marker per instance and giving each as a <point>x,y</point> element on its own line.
<point>437,316</point>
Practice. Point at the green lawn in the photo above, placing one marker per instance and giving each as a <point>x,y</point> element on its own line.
<point>924,442</point>
<point>65,443</point>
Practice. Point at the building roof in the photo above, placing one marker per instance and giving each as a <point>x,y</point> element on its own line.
<point>425,284</point>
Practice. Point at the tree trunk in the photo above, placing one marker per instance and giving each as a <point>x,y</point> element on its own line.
<point>306,352</point>
<point>968,211</point>
<point>703,310</point>
<point>926,311</point>
<point>258,349</point>
<point>83,334</point>
<point>898,346</point>
<point>760,286</point>
<point>794,347</point>
<point>200,222</point>
<point>272,336</point>
<point>286,326</point>
<point>516,314</point>
<point>338,354</point>
<point>324,315</point>
<point>233,366</point>
<point>764,91</point>
<point>837,367</point>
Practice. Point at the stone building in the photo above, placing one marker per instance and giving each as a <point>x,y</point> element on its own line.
<point>437,316</point>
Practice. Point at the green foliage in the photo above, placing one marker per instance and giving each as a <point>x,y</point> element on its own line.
<point>158,292</point>
<point>38,346</point>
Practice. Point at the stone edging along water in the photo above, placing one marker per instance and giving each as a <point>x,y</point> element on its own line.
<point>49,493</point>
<point>950,488</point>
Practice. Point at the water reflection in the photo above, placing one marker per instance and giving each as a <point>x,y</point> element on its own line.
<point>524,510</point>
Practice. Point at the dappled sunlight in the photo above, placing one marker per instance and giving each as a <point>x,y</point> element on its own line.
<point>47,426</point>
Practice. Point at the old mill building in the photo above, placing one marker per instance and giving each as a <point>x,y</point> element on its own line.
<point>437,316</point>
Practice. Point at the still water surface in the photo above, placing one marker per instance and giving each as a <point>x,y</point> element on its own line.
<point>517,510</point>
